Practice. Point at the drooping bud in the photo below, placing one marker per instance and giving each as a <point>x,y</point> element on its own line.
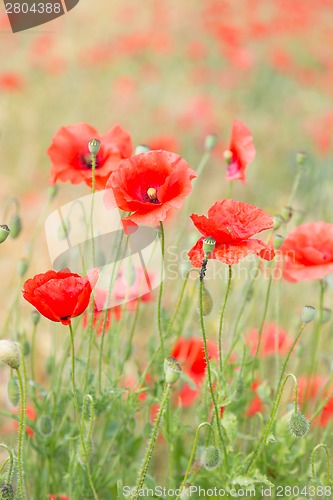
<point>278,240</point>
<point>308,314</point>
<point>172,370</point>
<point>15,226</point>
<point>45,425</point>
<point>22,267</point>
<point>227,155</point>
<point>141,148</point>
<point>4,232</point>
<point>277,221</point>
<point>287,213</point>
<point>298,424</point>
<point>94,146</point>
<point>207,302</point>
<point>10,353</point>
<point>211,458</point>
<point>208,245</point>
<point>326,315</point>
<point>13,391</point>
<point>301,158</point>
<point>210,142</point>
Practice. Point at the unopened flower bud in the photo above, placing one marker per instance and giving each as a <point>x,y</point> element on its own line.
<point>26,348</point>
<point>207,302</point>
<point>15,226</point>
<point>45,425</point>
<point>326,315</point>
<point>227,155</point>
<point>301,158</point>
<point>210,142</point>
<point>4,232</point>
<point>211,458</point>
<point>308,314</point>
<point>10,353</point>
<point>22,267</point>
<point>277,221</point>
<point>287,213</point>
<point>94,146</point>
<point>278,240</point>
<point>6,492</point>
<point>298,424</point>
<point>186,492</point>
<point>13,391</point>
<point>86,451</point>
<point>172,370</point>
<point>53,191</point>
<point>208,245</point>
<point>35,317</point>
<point>141,148</point>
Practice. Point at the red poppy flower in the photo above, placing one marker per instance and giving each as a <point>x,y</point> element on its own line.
<point>58,497</point>
<point>31,416</point>
<point>100,300</point>
<point>190,353</point>
<point>242,151</point>
<point>232,223</point>
<point>150,184</point>
<point>71,159</point>
<point>60,296</point>
<point>316,389</point>
<point>308,252</point>
<point>256,405</point>
<point>272,340</point>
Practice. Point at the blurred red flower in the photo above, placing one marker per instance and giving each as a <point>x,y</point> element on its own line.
<point>11,81</point>
<point>232,223</point>
<point>272,340</point>
<point>60,296</point>
<point>190,354</point>
<point>242,151</point>
<point>71,159</point>
<point>308,252</point>
<point>256,405</point>
<point>316,389</point>
<point>149,185</point>
<point>31,416</point>
<point>58,497</point>
<point>100,313</point>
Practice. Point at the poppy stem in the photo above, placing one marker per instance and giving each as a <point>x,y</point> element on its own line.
<point>262,323</point>
<point>77,414</point>
<point>313,455</point>
<point>11,463</point>
<point>203,331</point>
<point>159,304</point>
<point>20,438</point>
<point>317,334</point>
<point>222,318</point>
<point>151,444</point>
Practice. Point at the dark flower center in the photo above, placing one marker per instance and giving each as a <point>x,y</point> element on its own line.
<point>85,161</point>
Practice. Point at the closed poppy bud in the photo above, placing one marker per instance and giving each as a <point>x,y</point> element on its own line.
<point>298,425</point>
<point>22,267</point>
<point>300,158</point>
<point>278,240</point>
<point>15,226</point>
<point>53,191</point>
<point>4,232</point>
<point>208,245</point>
<point>88,450</point>
<point>308,314</point>
<point>172,370</point>
<point>211,458</point>
<point>13,391</point>
<point>10,353</point>
<point>94,146</point>
<point>35,316</point>
<point>7,492</point>
<point>186,492</point>
<point>141,148</point>
<point>207,302</point>
<point>227,155</point>
<point>45,425</point>
<point>277,221</point>
<point>326,315</point>
<point>287,213</point>
<point>210,142</point>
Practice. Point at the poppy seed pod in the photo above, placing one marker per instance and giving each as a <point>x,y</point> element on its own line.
<point>94,146</point>
<point>208,245</point>
<point>15,226</point>
<point>298,425</point>
<point>227,155</point>
<point>308,314</point>
<point>4,232</point>
<point>10,353</point>
<point>172,370</point>
<point>210,142</point>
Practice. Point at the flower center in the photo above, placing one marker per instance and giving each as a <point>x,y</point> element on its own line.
<point>85,160</point>
<point>152,195</point>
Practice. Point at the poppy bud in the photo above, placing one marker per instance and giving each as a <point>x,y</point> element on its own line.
<point>15,226</point>
<point>141,148</point>
<point>94,146</point>
<point>278,240</point>
<point>53,191</point>
<point>7,492</point>
<point>277,221</point>
<point>186,491</point>
<point>326,315</point>
<point>13,391</point>
<point>26,348</point>
<point>208,245</point>
<point>207,302</point>
<point>4,232</point>
<point>227,155</point>
<point>300,158</point>
<point>298,424</point>
<point>10,353</point>
<point>88,450</point>
<point>287,213</point>
<point>211,458</point>
<point>172,370</point>
<point>35,316</point>
<point>210,142</point>
<point>45,425</point>
<point>308,314</point>
<point>22,267</point>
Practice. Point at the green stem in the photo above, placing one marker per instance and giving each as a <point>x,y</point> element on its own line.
<point>203,331</point>
<point>317,334</point>
<point>151,444</point>
<point>77,414</point>
<point>230,189</point>
<point>159,304</point>
<point>313,454</point>
<point>279,390</point>
<point>20,440</point>
<point>32,354</point>
<point>263,319</point>
<point>194,447</point>
<point>222,318</point>
<point>11,463</point>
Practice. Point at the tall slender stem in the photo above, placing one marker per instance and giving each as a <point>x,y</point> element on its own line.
<point>222,318</point>
<point>159,304</point>
<point>20,439</point>
<point>262,323</point>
